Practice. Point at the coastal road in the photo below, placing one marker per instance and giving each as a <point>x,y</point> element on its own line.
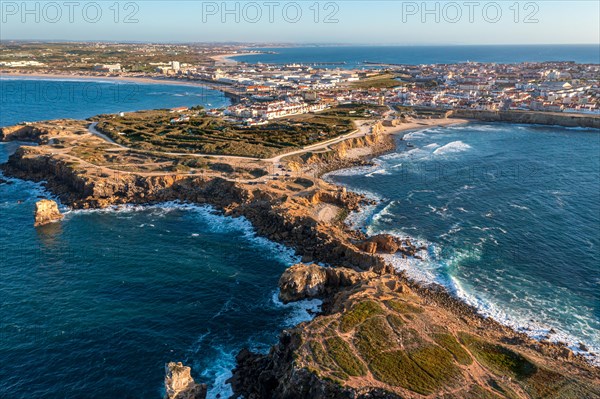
<point>92,129</point>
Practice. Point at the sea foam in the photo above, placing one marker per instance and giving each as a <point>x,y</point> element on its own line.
<point>453,147</point>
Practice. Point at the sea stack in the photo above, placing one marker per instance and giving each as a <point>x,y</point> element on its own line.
<point>179,383</point>
<point>46,211</point>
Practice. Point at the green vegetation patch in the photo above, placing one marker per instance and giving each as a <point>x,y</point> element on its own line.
<point>358,314</point>
<point>448,342</point>
<point>321,357</point>
<point>354,111</point>
<point>193,131</point>
<point>396,322</point>
<point>397,369</point>
<point>549,384</point>
<point>475,392</point>
<point>403,307</point>
<point>383,81</point>
<point>436,362</point>
<point>422,370</point>
<point>499,358</point>
<point>538,382</point>
<point>342,354</point>
<point>373,337</point>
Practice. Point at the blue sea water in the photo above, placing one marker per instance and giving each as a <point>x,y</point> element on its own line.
<point>510,215</point>
<point>355,56</point>
<point>94,306</point>
<point>30,99</point>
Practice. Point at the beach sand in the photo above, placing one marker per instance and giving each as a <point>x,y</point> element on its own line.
<point>423,124</point>
<point>361,152</point>
<point>226,59</point>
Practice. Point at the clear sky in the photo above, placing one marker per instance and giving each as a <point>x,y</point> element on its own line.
<point>347,21</point>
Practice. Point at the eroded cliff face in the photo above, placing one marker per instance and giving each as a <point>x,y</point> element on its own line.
<point>380,338</point>
<point>341,154</point>
<point>303,281</point>
<point>527,117</point>
<point>281,217</point>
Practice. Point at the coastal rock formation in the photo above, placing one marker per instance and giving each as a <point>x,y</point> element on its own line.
<point>312,281</point>
<point>382,339</point>
<point>388,244</point>
<point>342,154</point>
<point>46,211</point>
<point>179,383</point>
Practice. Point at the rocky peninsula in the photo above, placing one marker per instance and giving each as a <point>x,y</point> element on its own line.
<point>379,335</point>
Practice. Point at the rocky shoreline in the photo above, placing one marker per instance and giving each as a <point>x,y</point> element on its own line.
<point>284,211</point>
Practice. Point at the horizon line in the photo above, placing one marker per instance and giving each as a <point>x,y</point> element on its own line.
<point>273,44</point>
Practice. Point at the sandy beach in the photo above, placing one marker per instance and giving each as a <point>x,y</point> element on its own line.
<point>226,59</point>
<point>361,152</point>
<point>423,124</point>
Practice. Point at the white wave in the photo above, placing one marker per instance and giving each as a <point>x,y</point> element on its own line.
<point>524,323</point>
<point>516,206</point>
<point>431,146</point>
<point>300,311</point>
<point>413,153</point>
<point>453,147</point>
<point>219,373</point>
<point>380,216</point>
<point>358,170</point>
<point>360,218</point>
<point>378,172</point>
<point>212,220</point>
<point>414,135</point>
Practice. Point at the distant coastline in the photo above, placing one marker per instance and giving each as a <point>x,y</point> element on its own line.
<point>95,78</point>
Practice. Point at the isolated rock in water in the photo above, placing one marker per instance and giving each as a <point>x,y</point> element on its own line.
<point>46,211</point>
<point>179,383</point>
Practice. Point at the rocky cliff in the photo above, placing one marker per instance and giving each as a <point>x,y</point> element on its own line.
<point>528,117</point>
<point>340,155</point>
<point>282,218</point>
<point>379,338</point>
<point>311,281</point>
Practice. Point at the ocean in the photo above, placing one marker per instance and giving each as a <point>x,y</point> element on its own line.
<point>96,305</point>
<point>510,216</point>
<point>34,99</point>
<point>355,56</point>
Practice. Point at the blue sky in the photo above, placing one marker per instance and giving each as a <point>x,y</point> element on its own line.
<point>348,21</point>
